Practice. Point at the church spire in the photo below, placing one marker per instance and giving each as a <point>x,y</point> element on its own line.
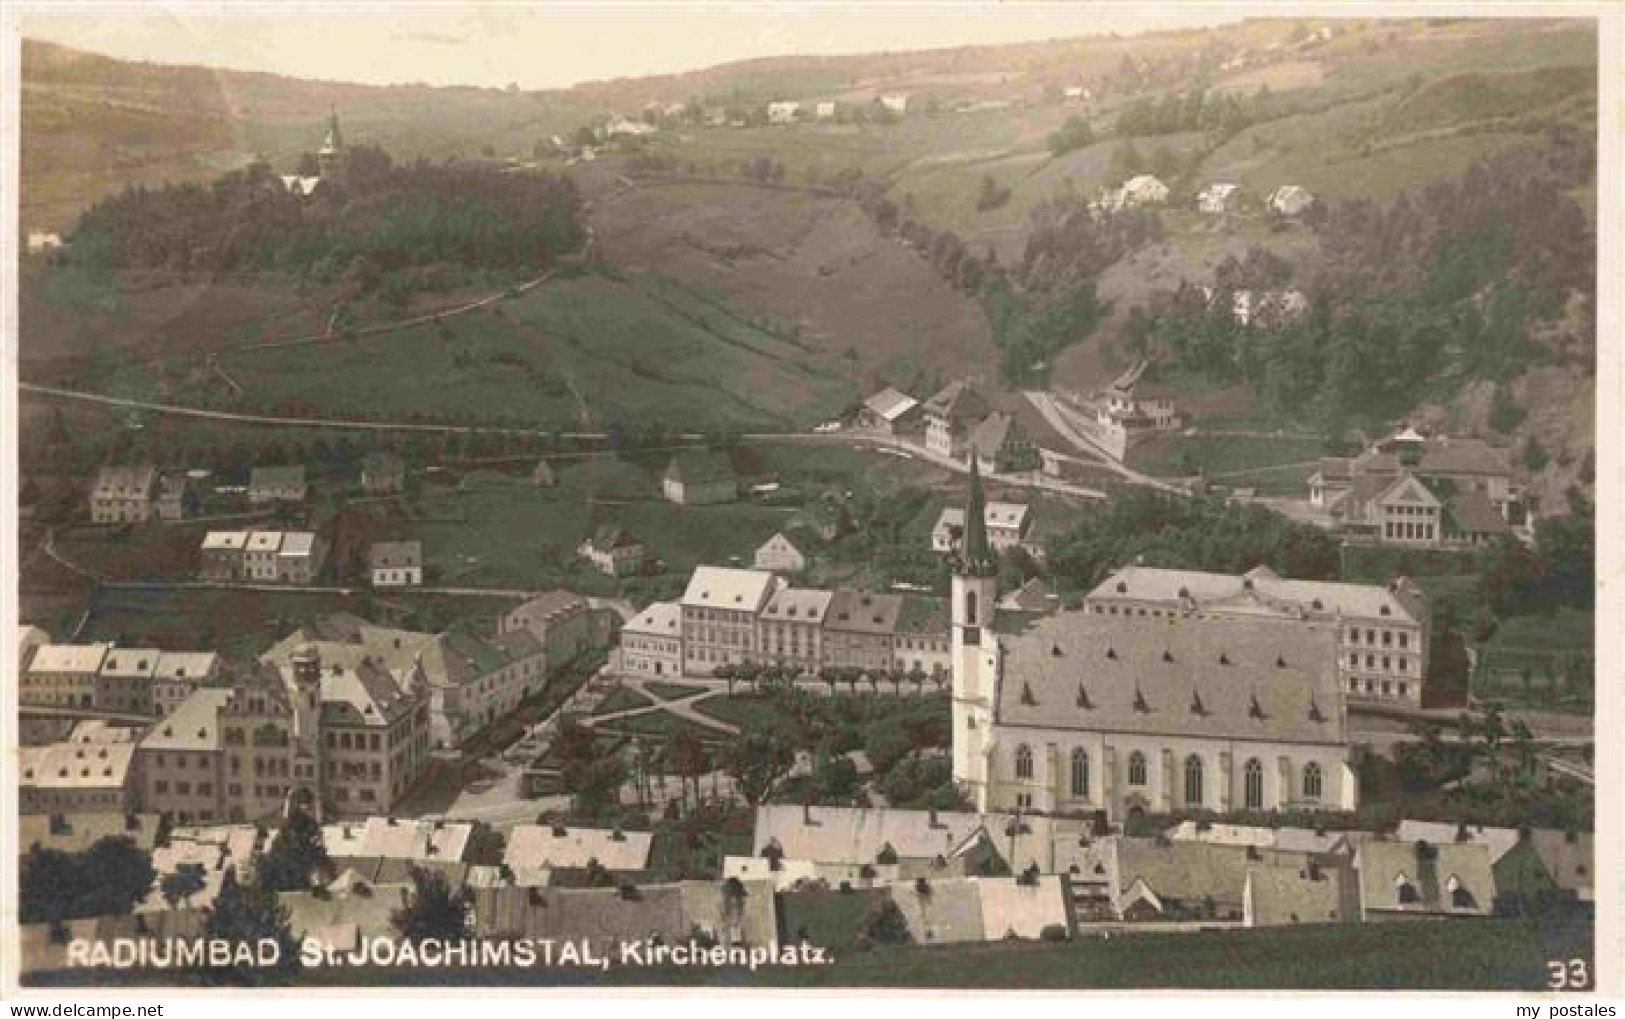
<point>976,557</point>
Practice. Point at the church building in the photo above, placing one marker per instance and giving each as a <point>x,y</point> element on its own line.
<point>1139,714</point>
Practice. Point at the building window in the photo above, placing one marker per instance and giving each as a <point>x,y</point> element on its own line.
<point>1311,781</point>
<point>1254,784</point>
<point>1404,890</point>
<point>1024,762</point>
<point>1136,768</point>
<point>1193,780</point>
<point>1080,772</point>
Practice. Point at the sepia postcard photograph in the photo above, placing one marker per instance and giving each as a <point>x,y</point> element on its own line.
<point>764,499</point>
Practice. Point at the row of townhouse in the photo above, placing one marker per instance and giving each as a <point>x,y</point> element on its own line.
<point>101,676</point>
<point>734,616</point>
<point>270,557</point>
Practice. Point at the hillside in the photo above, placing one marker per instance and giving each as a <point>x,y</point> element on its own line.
<point>864,248</point>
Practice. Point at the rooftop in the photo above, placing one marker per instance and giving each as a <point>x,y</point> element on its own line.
<point>1216,677</point>
<point>560,846</point>
<point>75,765</point>
<point>727,588</point>
<point>1261,588</point>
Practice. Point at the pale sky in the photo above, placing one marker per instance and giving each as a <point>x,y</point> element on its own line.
<point>549,46</point>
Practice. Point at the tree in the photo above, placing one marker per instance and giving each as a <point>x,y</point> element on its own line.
<point>685,755</point>
<point>308,167</point>
<point>242,915</point>
<point>296,854</point>
<point>181,884</point>
<point>433,910</point>
<point>108,878</point>
<point>758,761</point>
<point>884,924</point>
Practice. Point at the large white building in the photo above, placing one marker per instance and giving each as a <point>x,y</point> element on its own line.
<point>1140,715</point>
<point>1382,630</point>
<point>720,607</point>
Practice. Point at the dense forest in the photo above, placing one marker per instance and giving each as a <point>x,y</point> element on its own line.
<point>1443,284</point>
<point>373,217</point>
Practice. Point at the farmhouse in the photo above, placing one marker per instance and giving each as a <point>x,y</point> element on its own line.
<point>780,554</point>
<point>614,551</point>
<point>700,478</point>
<point>895,103</point>
<point>784,112</point>
<point>567,625</point>
<point>1006,522</point>
<point>1000,444</point>
<point>396,563</point>
<point>824,110</point>
<point>1133,407</point>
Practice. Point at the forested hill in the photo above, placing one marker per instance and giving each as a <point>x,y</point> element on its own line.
<point>373,217</point>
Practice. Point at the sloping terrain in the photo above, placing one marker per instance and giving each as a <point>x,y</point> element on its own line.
<point>813,266</point>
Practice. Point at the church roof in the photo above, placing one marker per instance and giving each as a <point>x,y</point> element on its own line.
<point>1215,677</point>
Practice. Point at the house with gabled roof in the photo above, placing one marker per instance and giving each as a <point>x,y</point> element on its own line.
<point>652,641</point>
<point>124,494</point>
<point>1290,200</point>
<point>951,415</point>
<point>1424,880</point>
<point>720,606</point>
<point>891,412</point>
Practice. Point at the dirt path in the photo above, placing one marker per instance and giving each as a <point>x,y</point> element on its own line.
<point>1061,420</point>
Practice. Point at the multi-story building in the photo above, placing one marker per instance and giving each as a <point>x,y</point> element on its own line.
<point>1382,632</point>
<point>790,628</point>
<point>652,643</point>
<point>1416,491</point>
<point>859,629</point>
<point>124,682</point>
<point>29,640</point>
<point>76,778</point>
<point>396,563</point>
<point>267,557</point>
<point>472,680</point>
<point>720,607</point>
<point>950,415</point>
<point>223,556</point>
<point>63,675</point>
<point>176,499</point>
<point>331,737</point>
<point>922,641</point>
<point>567,624</point>
<point>177,674</point>
<point>124,495</point>
<point>1133,407</point>
<point>890,412</point>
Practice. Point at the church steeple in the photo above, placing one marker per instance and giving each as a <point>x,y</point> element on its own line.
<point>976,558</point>
<point>332,150</point>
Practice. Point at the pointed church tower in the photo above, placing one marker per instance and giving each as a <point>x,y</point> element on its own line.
<point>975,661</point>
<point>331,155</point>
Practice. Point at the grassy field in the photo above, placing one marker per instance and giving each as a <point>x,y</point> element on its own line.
<point>622,699</point>
<point>674,691</point>
<point>1273,465</point>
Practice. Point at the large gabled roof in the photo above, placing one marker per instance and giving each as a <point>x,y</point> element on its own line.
<point>722,587</point>
<point>959,402</point>
<point>1215,677</point>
